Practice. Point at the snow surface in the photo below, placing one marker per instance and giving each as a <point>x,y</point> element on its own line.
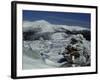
<point>46,53</point>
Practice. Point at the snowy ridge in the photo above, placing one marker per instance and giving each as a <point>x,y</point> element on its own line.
<point>41,28</point>
<point>46,26</point>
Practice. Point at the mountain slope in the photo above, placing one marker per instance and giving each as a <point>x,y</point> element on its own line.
<point>41,28</point>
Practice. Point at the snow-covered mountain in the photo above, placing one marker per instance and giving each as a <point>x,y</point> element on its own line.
<point>42,24</point>
<point>44,44</point>
<point>41,28</point>
<point>46,26</point>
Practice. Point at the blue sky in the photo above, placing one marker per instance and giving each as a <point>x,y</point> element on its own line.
<point>65,18</point>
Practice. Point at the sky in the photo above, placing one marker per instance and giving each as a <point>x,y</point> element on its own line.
<point>63,18</point>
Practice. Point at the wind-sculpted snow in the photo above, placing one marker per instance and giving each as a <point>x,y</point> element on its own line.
<point>44,45</point>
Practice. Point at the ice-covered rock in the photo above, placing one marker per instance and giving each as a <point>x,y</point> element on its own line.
<point>78,48</point>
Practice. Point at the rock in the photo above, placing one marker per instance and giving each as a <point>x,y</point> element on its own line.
<point>77,49</point>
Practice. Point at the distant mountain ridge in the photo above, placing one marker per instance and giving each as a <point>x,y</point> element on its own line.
<point>42,28</point>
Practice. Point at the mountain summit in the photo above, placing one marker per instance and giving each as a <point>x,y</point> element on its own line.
<point>41,22</point>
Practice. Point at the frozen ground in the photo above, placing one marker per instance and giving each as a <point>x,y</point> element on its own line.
<point>49,49</point>
<point>44,42</point>
<point>32,51</point>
